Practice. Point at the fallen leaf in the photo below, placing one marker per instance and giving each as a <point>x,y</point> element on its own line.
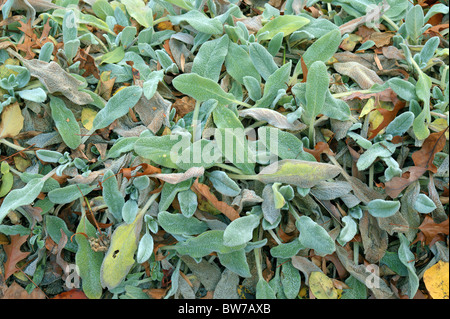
<point>436,280</point>
<point>11,121</point>
<point>432,230</point>
<point>203,190</point>
<point>71,294</point>
<point>433,144</point>
<point>87,117</point>
<point>15,291</point>
<point>362,75</point>
<point>319,149</point>
<point>321,286</point>
<point>55,79</point>
<point>184,105</point>
<point>388,117</point>
<point>14,254</point>
<point>396,185</point>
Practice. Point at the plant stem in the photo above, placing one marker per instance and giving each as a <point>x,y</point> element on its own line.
<point>155,22</point>
<point>257,252</point>
<point>274,236</point>
<point>311,133</point>
<point>355,252</point>
<point>195,122</point>
<point>293,212</point>
<point>243,176</point>
<point>230,168</point>
<point>392,23</point>
<point>16,147</point>
<point>148,203</point>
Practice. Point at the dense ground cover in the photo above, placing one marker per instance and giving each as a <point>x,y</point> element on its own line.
<point>224,149</point>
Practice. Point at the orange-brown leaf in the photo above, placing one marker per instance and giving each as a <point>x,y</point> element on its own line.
<point>432,231</point>
<point>71,294</point>
<point>434,143</point>
<point>14,254</point>
<point>224,208</point>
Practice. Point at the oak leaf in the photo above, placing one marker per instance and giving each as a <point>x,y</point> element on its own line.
<point>14,254</point>
<point>433,144</point>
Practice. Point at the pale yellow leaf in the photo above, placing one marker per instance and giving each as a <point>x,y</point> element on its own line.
<point>436,280</point>
<point>12,121</point>
<point>87,117</point>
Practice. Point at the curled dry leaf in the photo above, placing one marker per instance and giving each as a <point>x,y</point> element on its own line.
<point>365,77</point>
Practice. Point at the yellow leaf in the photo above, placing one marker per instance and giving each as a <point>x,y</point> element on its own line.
<point>87,117</point>
<point>12,121</point>
<point>21,163</point>
<point>321,286</point>
<point>370,105</point>
<point>436,280</point>
<point>439,125</point>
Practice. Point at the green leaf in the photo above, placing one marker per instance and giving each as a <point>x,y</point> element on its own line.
<point>178,224</point>
<point>69,193</point>
<point>117,106</point>
<point>48,156</point>
<point>288,146</point>
<point>113,56</point>
<point>383,208</point>
<point>139,11</point>
<point>223,184</point>
<point>122,145</point>
<point>159,149</point>
<point>199,21</point>
<point>169,192</point>
<point>408,259</point>
<point>188,202</point>
<point>323,49</point>
<point>424,204</point>
<point>65,122</point>
<point>210,57</point>
<point>54,225</point>
<point>239,64</point>
<point>287,250</point>
<point>145,249</point>
<point>275,82</point>
<point>263,290</point>
<point>300,173</point>
<point>204,244</point>
<point>37,95</point>
<point>88,261</point>
<point>316,88</point>
<point>236,261</point>
<point>290,279</point>
<point>275,43</point>
<point>240,230</point>
<point>129,211</point>
<point>253,87</point>
<point>262,60</point>
<point>406,90</point>
<point>380,149</point>
<point>400,124</point>
<point>120,256</point>
<point>285,23</point>
<point>204,89</point>
<point>21,197</point>
<point>414,22</point>
<point>102,9</point>
<point>111,195</point>
<point>348,232</point>
<point>314,236</point>
<point>231,139</point>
